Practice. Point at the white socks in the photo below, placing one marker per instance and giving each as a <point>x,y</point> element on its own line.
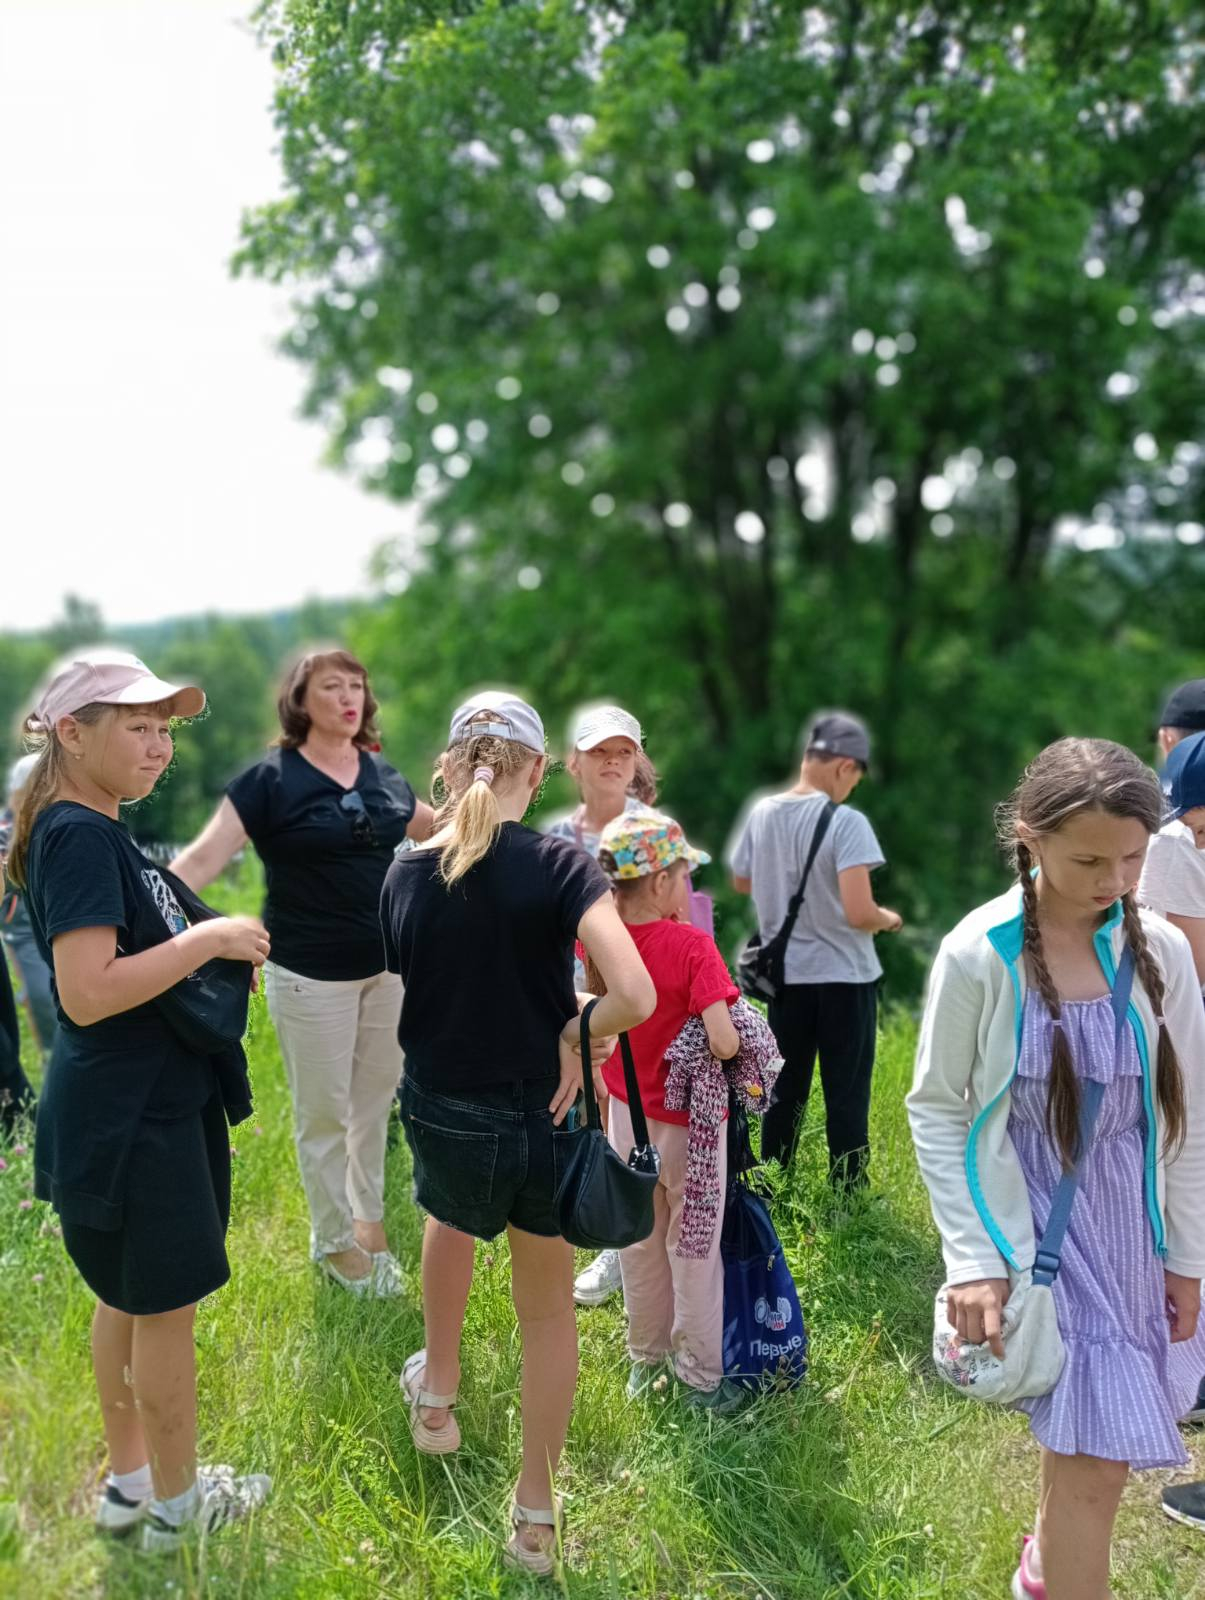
<point>181,1508</point>
<point>134,1485</point>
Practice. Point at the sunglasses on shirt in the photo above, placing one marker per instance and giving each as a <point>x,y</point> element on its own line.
<point>362,830</point>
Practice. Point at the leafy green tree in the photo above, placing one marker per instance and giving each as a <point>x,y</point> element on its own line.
<point>743,359</point>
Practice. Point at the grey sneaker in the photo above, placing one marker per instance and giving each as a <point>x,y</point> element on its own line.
<point>725,1399</point>
<point>643,1377</point>
<point>224,1498</point>
<point>115,1514</point>
<point>599,1281</point>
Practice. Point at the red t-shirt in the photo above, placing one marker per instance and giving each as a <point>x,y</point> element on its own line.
<point>689,974</point>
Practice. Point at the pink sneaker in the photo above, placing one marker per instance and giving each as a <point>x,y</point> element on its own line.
<point>1024,1587</point>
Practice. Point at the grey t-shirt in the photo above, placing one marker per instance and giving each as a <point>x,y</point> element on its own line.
<point>770,848</point>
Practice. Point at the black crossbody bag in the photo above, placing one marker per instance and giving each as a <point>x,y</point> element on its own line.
<point>604,1202</point>
<point>761,968</point>
<point>207,1010</point>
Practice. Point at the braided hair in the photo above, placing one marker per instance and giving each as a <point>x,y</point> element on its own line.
<point>1068,777</point>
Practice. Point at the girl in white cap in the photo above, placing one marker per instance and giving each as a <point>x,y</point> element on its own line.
<point>480,922</point>
<point>614,777</point>
<point>612,773</point>
<point>132,1147</point>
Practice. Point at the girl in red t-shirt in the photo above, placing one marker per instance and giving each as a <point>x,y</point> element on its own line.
<point>675,1306</point>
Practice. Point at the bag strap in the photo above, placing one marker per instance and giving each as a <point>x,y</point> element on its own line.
<point>796,900</point>
<point>1049,1252</point>
<point>640,1128</point>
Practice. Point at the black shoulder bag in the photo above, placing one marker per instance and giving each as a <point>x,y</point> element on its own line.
<point>760,968</point>
<point>604,1202</point>
<point>207,1010</point>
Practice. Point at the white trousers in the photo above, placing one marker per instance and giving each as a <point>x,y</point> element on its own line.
<point>338,1039</point>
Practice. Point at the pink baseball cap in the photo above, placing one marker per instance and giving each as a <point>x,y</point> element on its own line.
<point>109,678</point>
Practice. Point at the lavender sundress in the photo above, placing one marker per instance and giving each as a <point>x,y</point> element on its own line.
<point>1125,1384</point>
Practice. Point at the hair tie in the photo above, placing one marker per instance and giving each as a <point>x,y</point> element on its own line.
<point>1159,1022</point>
<point>1057,1022</point>
<point>483,774</point>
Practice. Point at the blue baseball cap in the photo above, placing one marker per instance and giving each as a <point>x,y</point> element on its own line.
<point>1184,776</point>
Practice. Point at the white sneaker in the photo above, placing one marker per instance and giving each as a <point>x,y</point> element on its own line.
<point>224,1498</point>
<point>599,1281</point>
<point>116,1514</point>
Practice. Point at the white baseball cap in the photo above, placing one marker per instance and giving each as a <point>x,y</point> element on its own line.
<point>501,713</point>
<point>100,676</point>
<point>597,723</point>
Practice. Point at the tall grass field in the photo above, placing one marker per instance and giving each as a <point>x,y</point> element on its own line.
<point>870,1481</point>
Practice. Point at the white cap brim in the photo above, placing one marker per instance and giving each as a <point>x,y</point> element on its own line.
<point>186,700</point>
<point>594,730</point>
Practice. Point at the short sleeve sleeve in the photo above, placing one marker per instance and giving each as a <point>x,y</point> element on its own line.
<point>740,849</point>
<point>854,842</point>
<point>80,882</point>
<point>578,883</point>
<point>1173,877</point>
<point>396,787</point>
<point>251,794</point>
<point>393,961</point>
<point>708,978</point>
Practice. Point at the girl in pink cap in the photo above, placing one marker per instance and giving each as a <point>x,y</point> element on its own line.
<point>132,1147</point>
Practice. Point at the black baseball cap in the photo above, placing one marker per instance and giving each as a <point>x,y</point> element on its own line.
<point>837,733</point>
<point>1185,707</point>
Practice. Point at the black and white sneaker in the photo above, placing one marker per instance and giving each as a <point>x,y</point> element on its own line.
<point>1185,1502</point>
<point>1196,1416</point>
<point>224,1498</point>
<point>117,1515</point>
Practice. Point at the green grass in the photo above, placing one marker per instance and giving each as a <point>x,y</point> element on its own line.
<point>868,1482</point>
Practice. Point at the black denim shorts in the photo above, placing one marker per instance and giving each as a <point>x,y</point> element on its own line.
<point>484,1158</point>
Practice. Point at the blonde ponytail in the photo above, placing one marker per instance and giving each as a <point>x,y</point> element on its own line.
<point>469,811</point>
<point>41,787</point>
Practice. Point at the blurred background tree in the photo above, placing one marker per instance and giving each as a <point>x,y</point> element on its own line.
<point>748,358</point>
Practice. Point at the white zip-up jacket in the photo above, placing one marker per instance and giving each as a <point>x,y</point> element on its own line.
<point>970,1045</point>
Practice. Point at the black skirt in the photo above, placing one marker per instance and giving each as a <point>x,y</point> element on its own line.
<point>170,1249</point>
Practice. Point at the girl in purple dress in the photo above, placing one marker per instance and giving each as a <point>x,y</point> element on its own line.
<point>1018,1015</point>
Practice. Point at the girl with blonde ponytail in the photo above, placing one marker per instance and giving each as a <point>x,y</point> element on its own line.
<point>1017,1015</point>
<point>480,922</point>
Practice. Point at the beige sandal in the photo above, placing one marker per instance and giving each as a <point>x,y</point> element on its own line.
<point>541,1562</point>
<point>441,1441</point>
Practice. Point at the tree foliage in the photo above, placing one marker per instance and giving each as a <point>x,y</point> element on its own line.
<point>747,358</point>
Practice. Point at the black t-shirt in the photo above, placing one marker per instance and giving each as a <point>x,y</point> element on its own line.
<point>325,851</point>
<point>84,871</point>
<point>487,963</point>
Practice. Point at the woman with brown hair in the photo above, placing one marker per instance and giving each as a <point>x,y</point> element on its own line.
<point>1018,1019</point>
<point>325,813</point>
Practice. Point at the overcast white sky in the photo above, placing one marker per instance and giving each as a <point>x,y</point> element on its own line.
<point>151,457</point>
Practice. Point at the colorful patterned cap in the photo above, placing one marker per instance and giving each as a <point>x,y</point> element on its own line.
<point>642,842</point>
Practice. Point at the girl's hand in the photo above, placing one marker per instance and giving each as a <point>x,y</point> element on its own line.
<point>1183,1305</point>
<point>974,1311</point>
<point>240,939</point>
<point>571,1077</point>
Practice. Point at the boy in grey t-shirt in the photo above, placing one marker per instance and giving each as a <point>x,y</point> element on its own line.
<point>829,1002</point>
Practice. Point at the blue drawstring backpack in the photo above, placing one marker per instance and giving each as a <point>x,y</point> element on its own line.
<point>765,1340</point>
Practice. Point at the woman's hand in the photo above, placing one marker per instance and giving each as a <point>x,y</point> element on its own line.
<point>240,939</point>
<point>974,1311</point>
<point>1183,1305</point>
<point>571,1073</point>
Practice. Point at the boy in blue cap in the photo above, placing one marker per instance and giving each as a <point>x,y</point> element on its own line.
<point>1173,877</point>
